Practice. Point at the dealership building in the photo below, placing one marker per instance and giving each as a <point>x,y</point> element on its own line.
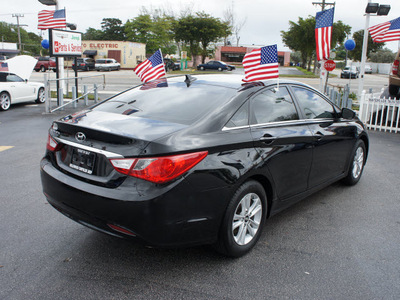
<point>128,54</point>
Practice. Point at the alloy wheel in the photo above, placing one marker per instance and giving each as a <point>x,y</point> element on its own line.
<point>247,218</point>
<point>358,162</point>
<point>5,101</point>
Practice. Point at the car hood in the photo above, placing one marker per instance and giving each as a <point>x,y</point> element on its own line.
<point>21,65</point>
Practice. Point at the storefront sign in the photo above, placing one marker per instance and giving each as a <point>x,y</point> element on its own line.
<point>65,43</point>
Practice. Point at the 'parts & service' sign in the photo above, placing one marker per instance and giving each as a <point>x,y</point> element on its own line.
<point>65,43</point>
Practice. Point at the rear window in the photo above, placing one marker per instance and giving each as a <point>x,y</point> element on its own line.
<point>169,102</point>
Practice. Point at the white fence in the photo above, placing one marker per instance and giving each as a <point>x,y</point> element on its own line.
<point>381,114</point>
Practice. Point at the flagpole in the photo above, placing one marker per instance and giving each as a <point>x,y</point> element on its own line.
<point>363,55</point>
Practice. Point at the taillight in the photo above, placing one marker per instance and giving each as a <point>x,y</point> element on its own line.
<point>52,145</point>
<point>395,67</point>
<point>82,65</point>
<point>158,169</point>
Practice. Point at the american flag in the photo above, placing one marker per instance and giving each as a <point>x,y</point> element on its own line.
<point>152,68</point>
<point>261,64</point>
<point>51,19</point>
<point>4,66</point>
<point>386,32</point>
<point>158,83</point>
<point>323,32</point>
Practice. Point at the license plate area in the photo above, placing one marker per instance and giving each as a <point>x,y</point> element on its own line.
<point>82,160</point>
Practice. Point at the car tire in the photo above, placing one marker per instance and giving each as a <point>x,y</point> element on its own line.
<point>202,68</point>
<point>54,70</point>
<point>41,96</point>
<point>357,163</point>
<point>243,221</point>
<point>220,69</point>
<point>393,90</point>
<point>42,68</point>
<point>5,101</point>
<point>37,70</point>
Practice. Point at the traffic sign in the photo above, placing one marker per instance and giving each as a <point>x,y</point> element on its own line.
<point>329,65</point>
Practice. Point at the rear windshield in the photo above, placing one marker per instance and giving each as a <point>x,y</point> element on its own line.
<point>169,102</point>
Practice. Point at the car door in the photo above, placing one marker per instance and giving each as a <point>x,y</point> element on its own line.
<point>333,137</point>
<point>282,139</point>
<point>20,90</point>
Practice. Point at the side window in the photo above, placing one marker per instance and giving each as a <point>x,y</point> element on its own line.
<point>14,78</point>
<point>273,105</point>
<point>313,105</point>
<point>240,118</point>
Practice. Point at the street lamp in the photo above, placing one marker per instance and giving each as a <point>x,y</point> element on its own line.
<point>379,10</point>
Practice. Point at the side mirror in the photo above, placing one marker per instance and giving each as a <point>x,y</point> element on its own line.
<point>348,113</point>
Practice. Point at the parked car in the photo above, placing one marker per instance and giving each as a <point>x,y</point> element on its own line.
<point>199,160</point>
<point>84,64</point>
<point>215,65</point>
<point>171,65</point>
<point>45,63</point>
<point>107,64</point>
<point>349,72</point>
<point>14,89</point>
<point>367,69</point>
<point>394,76</point>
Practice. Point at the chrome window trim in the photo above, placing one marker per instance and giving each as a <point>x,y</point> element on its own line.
<point>99,151</point>
<point>282,123</point>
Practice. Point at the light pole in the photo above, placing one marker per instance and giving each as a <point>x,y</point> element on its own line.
<point>379,10</point>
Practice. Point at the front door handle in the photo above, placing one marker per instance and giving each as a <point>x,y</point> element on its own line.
<point>268,139</point>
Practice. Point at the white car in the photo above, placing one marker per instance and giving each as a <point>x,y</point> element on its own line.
<point>14,84</point>
<point>367,69</point>
<point>107,64</point>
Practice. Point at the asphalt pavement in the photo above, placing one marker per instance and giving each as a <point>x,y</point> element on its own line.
<point>341,243</point>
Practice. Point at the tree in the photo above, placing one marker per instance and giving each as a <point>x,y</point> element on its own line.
<point>301,37</point>
<point>358,37</point>
<point>93,34</point>
<point>383,56</point>
<point>30,41</point>
<point>235,25</point>
<point>113,29</point>
<point>155,29</point>
<point>199,32</point>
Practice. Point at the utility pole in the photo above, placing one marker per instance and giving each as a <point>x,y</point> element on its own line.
<point>323,4</point>
<point>19,34</point>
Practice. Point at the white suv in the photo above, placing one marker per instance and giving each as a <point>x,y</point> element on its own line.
<point>107,64</point>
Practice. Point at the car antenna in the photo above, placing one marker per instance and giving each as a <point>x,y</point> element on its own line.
<point>189,79</point>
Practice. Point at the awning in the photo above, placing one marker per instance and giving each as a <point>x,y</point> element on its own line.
<point>90,52</point>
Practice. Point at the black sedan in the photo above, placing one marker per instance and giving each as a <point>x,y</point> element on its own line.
<point>215,65</point>
<point>199,160</point>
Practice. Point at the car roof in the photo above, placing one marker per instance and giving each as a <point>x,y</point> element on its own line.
<point>232,81</point>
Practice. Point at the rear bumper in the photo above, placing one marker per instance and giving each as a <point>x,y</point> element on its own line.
<point>179,216</point>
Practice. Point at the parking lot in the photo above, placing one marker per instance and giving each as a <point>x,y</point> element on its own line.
<point>341,243</point>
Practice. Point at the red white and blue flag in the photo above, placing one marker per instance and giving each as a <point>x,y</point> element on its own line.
<point>261,64</point>
<point>386,32</point>
<point>51,19</point>
<point>152,68</point>
<point>323,33</point>
<point>4,66</point>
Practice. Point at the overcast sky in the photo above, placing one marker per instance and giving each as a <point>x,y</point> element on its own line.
<point>264,18</point>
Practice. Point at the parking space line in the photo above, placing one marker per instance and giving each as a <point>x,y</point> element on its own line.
<point>3,148</point>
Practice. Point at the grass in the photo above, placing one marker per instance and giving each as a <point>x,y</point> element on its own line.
<point>69,96</point>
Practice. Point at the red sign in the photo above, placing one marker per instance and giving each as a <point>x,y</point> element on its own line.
<point>329,65</point>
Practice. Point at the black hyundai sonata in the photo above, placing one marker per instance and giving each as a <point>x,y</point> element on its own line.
<point>199,160</point>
